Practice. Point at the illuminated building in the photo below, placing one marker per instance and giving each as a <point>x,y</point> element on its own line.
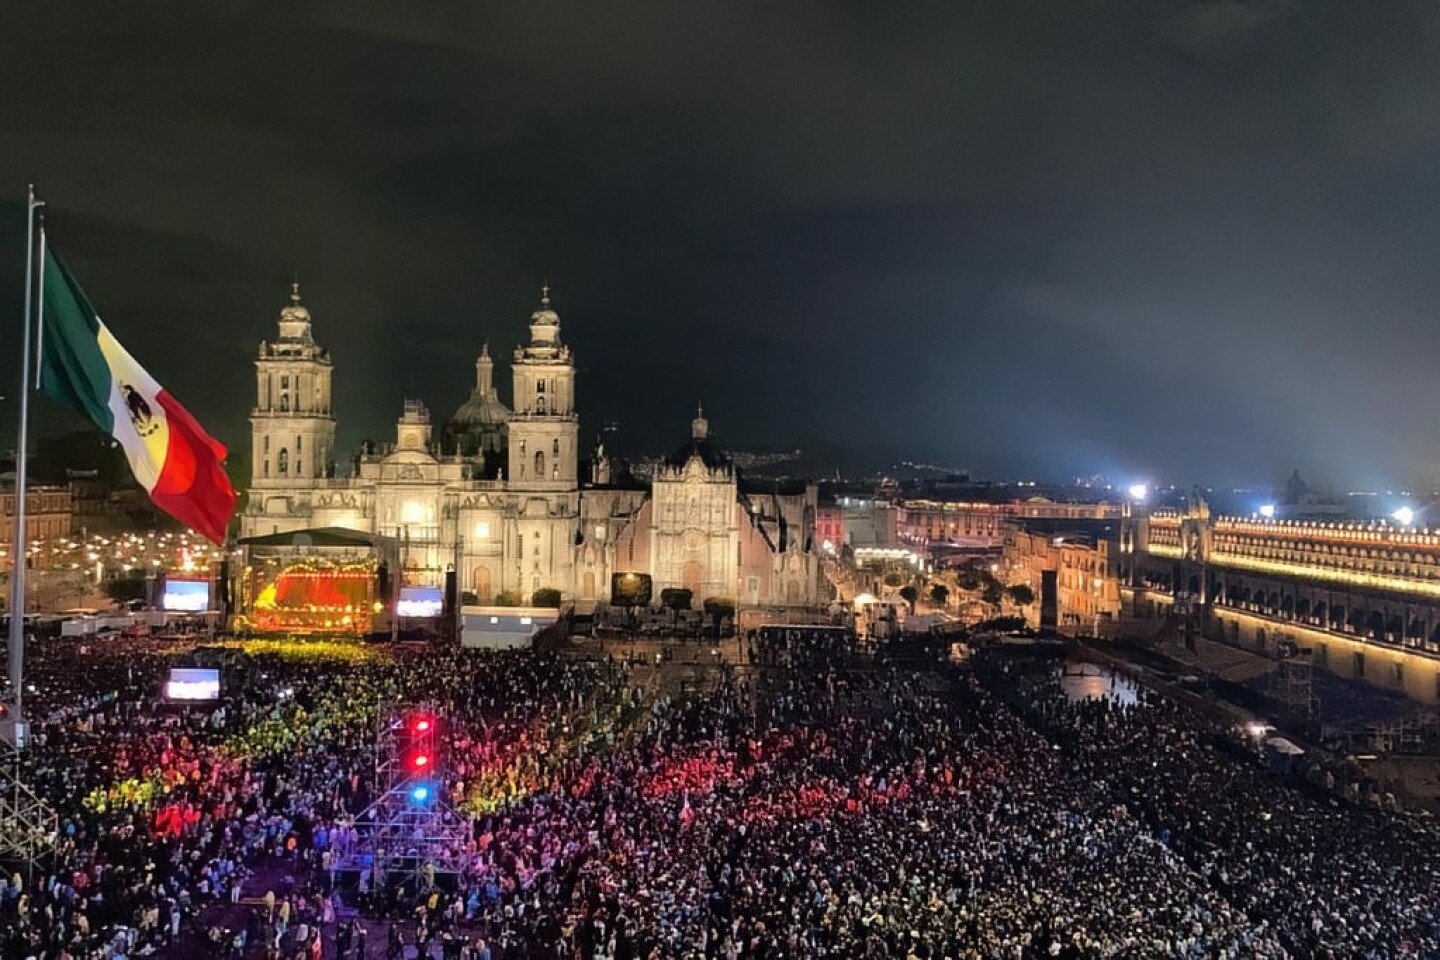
<point>961,523</point>
<point>499,500</point>
<point>1364,598</point>
<point>1085,556</point>
<point>49,513</point>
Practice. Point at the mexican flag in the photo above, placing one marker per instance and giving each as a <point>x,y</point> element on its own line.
<point>83,366</point>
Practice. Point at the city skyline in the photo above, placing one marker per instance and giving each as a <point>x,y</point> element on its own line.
<point>1178,242</point>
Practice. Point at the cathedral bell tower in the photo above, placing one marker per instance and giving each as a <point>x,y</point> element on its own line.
<point>544,429</point>
<point>292,428</point>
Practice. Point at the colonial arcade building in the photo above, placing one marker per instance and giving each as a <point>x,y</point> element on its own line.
<point>1363,598</point>
<point>495,494</point>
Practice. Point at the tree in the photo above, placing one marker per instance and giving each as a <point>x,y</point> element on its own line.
<point>909,594</point>
<point>1020,594</point>
<point>939,593</point>
<point>718,608</point>
<point>631,589</point>
<point>1001,625</point>
<point>468,598</point>
<point>893,579</point>
<point>969,579</point>
<point>124,590</point>
<point>676,598</point>
<point>507,598</point>
<point>993,593</point>
<point>546,597</point>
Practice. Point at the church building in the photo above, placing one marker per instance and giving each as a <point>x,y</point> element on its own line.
<point>496,494</point>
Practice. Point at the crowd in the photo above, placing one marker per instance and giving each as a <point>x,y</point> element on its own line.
<point>820,803</point>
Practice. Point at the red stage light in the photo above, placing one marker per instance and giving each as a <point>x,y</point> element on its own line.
<point>419,761</point>
<point>422,725</point>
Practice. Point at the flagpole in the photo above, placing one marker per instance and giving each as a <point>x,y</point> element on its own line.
<point>40,300</point>
<point>19,544</point>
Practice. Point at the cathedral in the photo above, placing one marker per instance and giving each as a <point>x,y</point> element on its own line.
<point>499,497</point>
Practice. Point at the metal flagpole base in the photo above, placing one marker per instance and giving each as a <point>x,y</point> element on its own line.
<point>14,734</point>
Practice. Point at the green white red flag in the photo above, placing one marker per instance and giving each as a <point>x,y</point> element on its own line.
<point>83,366</point>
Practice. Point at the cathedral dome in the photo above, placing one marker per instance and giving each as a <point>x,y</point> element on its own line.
<point>481,411</point>
<point>700,446</point>
<point>478,424</point>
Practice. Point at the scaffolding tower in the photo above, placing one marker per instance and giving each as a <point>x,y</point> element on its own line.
<point>410,835</point>
<point>28,827</point>
<point>1292,685</point>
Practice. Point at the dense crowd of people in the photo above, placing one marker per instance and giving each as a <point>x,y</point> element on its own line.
<point>819,802</point>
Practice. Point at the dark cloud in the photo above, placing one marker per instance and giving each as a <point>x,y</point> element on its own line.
<point>1189,238</point>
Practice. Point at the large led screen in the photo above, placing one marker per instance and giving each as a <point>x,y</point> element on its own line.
<point>420,602</point>
<point>193,684</point>
<point>186,596</point>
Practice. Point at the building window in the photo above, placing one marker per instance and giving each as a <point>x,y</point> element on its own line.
<point>299,470</point>
<point>267,445</point>
<point>540,405</point>
<point>555,447</point>
<point>265,468</point>
<point>299,445</point>
<point>522,448</point>
<point>284,403</point>
<point>539,386</point>
<point>539,464</point>
<point>284,462</point>
<point>285,382</point>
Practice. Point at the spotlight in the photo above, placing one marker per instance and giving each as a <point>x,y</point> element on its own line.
<point>420,794</point>
<point>1139,491</point>
<point>1267,511</point>
<point>1404,516</point>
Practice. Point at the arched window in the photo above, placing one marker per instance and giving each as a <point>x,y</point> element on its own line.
<point>540,464</point>
<point>284,403</point>
<point>540,405</point>
<point>284,462</point>
<point>555,447</point>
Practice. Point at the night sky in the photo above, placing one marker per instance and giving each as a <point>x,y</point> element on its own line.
<point>1190,241</point>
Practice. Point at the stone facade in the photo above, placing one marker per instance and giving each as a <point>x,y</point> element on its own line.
<point>1364,598</point>
<point>498,496</point>
<point>49,514</point>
